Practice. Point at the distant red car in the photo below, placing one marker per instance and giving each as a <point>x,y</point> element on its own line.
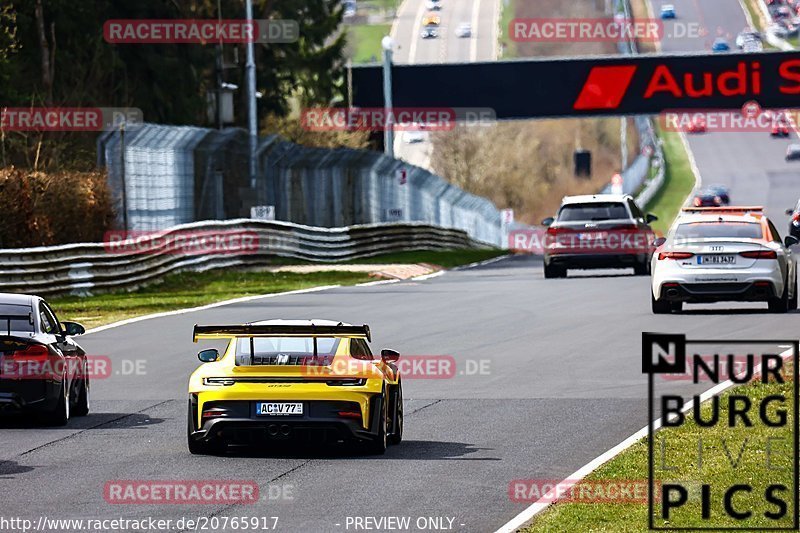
<point>697,125</point>
<point>780,128</point>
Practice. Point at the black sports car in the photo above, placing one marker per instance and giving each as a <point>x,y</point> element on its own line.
<point>42,370</point>
<point>713,196</point>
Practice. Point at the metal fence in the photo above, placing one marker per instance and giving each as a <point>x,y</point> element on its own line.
<point>90,267</point>
<point>178,174</point>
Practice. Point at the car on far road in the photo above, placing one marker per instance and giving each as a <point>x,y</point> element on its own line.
<point>464,30</point>
<point>793,152</point>
<point>429,32</point>
<point>312,381</point>
<point>723,192</point>
<point>780,125</point>
<point>431,19</point>
<point>720,44</point>
<point>43,371</point>
<point>668,11</point>
<point>697,125</point>
<point>414,136</point>
<point>434,5</point>
<point>716,254</point>
<point>707,198</point>
<point>597,231</point>
<point>794,222</point>
<point>747,34</point>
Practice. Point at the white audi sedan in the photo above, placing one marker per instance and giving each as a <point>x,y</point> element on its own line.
<point>715,254</point>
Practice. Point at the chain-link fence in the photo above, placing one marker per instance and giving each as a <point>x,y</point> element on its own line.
<point>178,174</point>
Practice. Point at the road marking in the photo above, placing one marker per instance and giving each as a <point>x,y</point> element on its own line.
<point>415,33</point>
<point>187,310</point>
<point>698,181</point>
<point>207,306</point>
<point>542,503</point>
<point>473,39</point>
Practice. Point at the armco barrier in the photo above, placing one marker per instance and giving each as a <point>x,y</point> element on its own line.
<point>82,268</point>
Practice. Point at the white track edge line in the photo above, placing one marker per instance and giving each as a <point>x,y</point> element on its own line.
<point>538,506</point>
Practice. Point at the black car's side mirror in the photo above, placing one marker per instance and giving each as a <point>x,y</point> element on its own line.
<point>208,356</point>
<point>390,356</point>
<point>790,240</point>
<point>789,212</point>
<point>659,241</point>
<point>548,221</point>
<point>72,329</point>
<point>650,217</point>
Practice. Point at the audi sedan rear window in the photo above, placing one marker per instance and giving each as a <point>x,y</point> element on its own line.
<point>15,318</point>
<point>593,211</point>
<point>724,230</point>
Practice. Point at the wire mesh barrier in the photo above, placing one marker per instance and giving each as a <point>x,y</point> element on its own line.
<point>178,174</point>
<point>131,259</point>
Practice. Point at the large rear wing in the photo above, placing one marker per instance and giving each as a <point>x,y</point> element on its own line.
<point>279,330</point>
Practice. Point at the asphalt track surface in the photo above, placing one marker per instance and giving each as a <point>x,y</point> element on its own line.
<point>751,163</point>
<point>447,48</point>
<point>561,386</point>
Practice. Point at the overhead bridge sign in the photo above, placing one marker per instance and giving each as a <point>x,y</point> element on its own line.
<point>625,85</point>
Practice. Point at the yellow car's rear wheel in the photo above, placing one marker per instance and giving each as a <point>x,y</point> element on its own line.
<point>380,441</point>
<point>199,447</point>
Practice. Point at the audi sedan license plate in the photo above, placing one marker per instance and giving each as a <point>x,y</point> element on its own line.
<point>279,408</point>
<point>716,259</point>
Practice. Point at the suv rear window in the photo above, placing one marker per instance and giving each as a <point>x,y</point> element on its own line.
<point>725,230</point>
<point>593,211</point>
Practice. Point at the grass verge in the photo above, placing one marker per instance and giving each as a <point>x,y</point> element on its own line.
<point>191,289</point>
<point>721,445</point>
<point>678,182</point>
<point>366,41</point>
<point>507,46</point>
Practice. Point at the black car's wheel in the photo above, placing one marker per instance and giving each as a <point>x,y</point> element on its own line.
<point>82,403</point>
<point>780,305</point>
<point>60,415</point>
<point>199,447</point>
<point>660,307</point>
<point>379,443</point>
<point>396,436</point>
<point>793,299</point>
<point>554,271</point>
<point>642,269</point>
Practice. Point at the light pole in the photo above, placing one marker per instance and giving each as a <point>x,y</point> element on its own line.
<point>250,69</point>
<point>388,134</point>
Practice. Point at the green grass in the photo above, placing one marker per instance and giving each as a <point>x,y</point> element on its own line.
<point>191,289</point>
<point>507,14</point>
<point>678,183</point>
<point>680,453</point>
<point>366,41</point>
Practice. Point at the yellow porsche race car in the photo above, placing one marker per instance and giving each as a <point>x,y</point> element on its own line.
<point>310,380</point>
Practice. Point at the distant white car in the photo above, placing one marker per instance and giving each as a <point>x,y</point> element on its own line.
<point>429,32</point>
<point>434,5</point>
<point>464,30</point>
<point>715,254</point>
<point>414,136</point>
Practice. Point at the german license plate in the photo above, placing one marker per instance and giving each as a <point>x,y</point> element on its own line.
<point>279,409</point>
<point>716,259</point>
